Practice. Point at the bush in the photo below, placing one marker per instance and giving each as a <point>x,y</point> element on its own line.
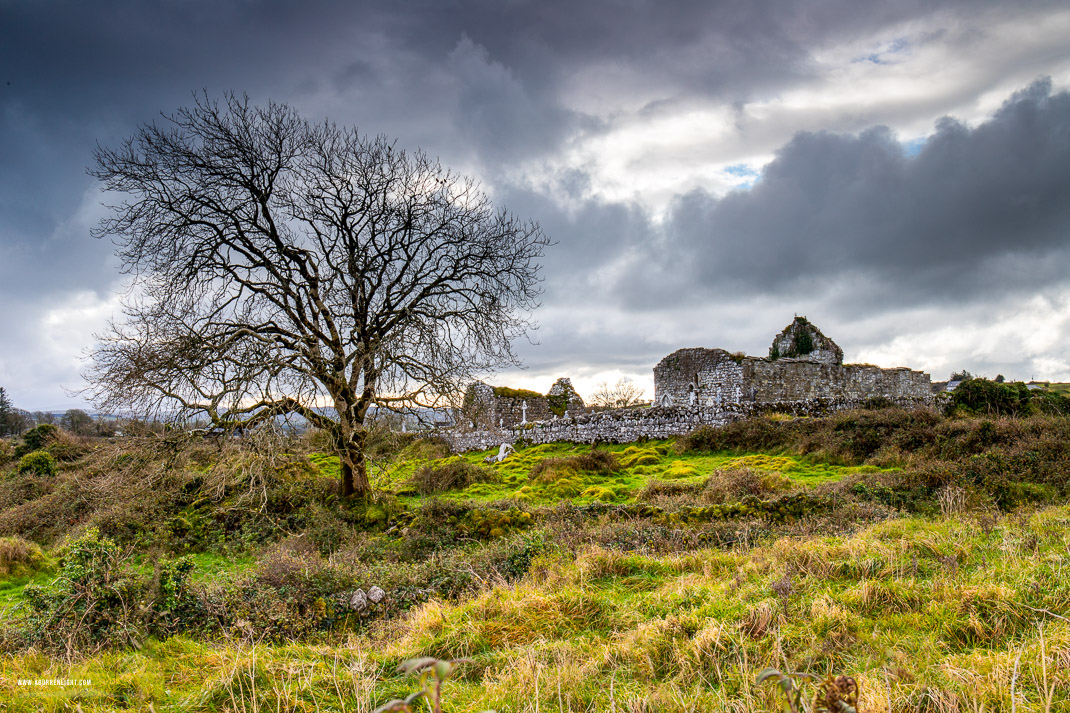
<point>981,396</point>
<point>492,523</point>
<point>451,474</point>
<point>67,448</point>
<point>38,462</point>
<point>732,484</point>
<point>37,438</point>
<point>752,435</point>
<point>19,558</point>
<point>549,470</point>
<point>91,604</point>
<point>98,601</point>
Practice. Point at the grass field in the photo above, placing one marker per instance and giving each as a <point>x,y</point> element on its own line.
<point>640,463</point>
<point>927,557</point>
<point>929,615</point>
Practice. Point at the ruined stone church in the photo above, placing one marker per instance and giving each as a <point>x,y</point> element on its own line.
<point>803,364</point>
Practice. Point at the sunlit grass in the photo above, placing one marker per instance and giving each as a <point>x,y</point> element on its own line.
<point>640,464</point>
<point>951,614</point>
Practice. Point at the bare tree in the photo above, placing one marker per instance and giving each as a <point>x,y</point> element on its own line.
<point>78,422</point>
<point>622,394</point>
<point>289,268</point>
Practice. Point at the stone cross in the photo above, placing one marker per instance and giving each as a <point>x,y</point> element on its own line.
<point>523,412</point>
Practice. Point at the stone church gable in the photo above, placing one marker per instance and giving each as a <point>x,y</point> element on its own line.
<point>804,364</point>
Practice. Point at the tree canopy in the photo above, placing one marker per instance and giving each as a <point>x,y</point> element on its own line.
<point>285,267</point>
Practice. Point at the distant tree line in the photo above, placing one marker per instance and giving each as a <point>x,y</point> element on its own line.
<point>15,421</point>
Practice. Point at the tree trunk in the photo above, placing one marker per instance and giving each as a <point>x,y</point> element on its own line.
<point>354,480</point>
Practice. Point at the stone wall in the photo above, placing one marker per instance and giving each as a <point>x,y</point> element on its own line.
<point>628,425</point>
<point>510,410</point>
<point>793,380</point>
<point>695,387</point>
<point>564,399</point>
<point>695,377</point>
<point>802,340</point>
<point>714,378</point>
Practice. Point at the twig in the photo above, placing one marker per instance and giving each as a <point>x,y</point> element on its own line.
<point>1045,611</point>
<point>1014,678</point>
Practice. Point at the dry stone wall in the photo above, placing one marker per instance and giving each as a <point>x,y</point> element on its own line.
<point>628,425</point>
<point>802,340</point>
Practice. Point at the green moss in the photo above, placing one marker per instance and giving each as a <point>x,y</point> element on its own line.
<point>679,469</point>
<point>508,393</point>
<point>633,456</point>
<point>640,464</point>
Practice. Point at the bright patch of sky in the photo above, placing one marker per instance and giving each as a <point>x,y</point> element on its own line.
<point>914,146</point>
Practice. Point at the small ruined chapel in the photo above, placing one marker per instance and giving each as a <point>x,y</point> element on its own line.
<point>803,364</point>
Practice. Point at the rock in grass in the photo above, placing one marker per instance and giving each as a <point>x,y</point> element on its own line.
<point>359,600</point>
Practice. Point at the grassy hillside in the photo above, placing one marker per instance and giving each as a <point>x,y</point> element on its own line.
<point>927,557</point>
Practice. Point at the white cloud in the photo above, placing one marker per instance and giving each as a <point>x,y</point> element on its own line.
<point>52,339</point>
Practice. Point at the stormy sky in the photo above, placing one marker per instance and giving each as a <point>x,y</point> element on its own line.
<point>898,172</point>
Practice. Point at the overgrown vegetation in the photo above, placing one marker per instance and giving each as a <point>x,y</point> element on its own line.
<point>506,392</point>
<point>975,396</point>
<point>922,555</point>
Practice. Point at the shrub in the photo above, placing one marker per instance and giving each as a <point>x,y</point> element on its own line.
<point>38,462</point>
<point>91,604</point>
<point>19,558</point>
<point>660,490</point>
<point>751,435</point>
<point>732,484</point>
<point>67,448</point>
<point>1049,403</point>
<point>37,438</point>
<point>427,449</point>
<point>451,474</point>
<point>491,523</point>
<point>549,470</point>
<point>981,396</point>
<point>171,606</point>
<point>297,571</point>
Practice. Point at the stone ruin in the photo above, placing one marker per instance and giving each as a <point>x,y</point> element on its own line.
<point>804,375</point>
<point>803,365</point>
<point>488,406</point>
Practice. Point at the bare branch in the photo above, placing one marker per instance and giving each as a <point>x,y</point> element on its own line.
<point>284,267</point>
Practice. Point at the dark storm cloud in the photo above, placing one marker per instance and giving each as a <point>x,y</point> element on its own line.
<point>490,87</point>
<point>976,212</point>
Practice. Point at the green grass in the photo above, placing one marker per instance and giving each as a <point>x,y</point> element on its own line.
<point>651,461</point>
<point>636,608</point>
<point>11,587</point>
<point>941,614</point>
